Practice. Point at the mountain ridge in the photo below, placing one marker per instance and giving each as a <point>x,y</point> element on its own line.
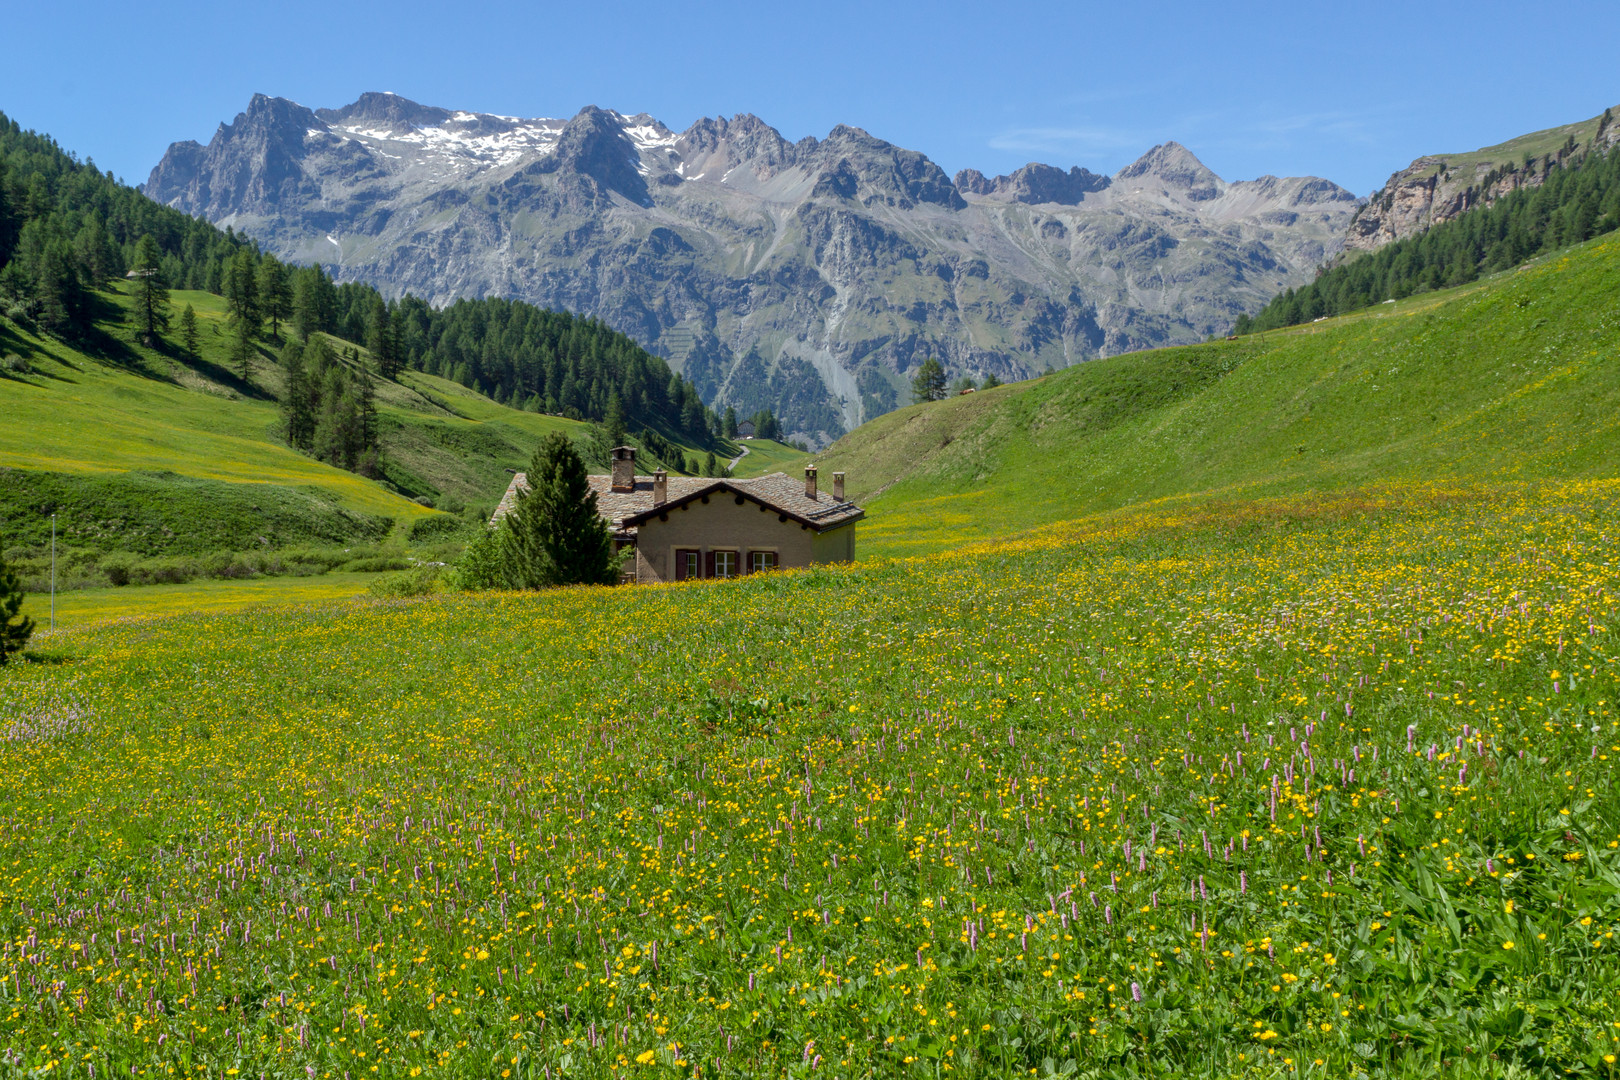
<point>836,264</point>
<point>1437,188</point>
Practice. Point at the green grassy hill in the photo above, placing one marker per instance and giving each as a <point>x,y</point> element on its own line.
<point>1516,377</point>
<point>142,452</point>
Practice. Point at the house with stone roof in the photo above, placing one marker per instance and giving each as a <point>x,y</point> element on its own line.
<point>688,527</point>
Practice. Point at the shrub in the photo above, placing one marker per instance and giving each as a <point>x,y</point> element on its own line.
<point>438,527</point>
<point>423,580</point>
<point>15,627</point>
<point>15,365</point>
<point>479,567</point>
<point>119,568</point>
<point>375,564</point>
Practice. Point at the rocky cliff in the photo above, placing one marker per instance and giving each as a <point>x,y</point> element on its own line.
<point>810,276</point>
<point>1438,187</point>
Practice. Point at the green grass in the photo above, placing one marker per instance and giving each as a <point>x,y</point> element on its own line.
<point>140,451</point>
<point>85,607</point>
<point>766,456</point>
<point>1317,787</point>
<point>1512,152</point>
<point>1252,713</point>
<point>1512,378</point>
<point>133,409</point>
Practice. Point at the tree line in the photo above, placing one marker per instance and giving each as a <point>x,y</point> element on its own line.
<point>1578,198</point>
<point>67,229</point>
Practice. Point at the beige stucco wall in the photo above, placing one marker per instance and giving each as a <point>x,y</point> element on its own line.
<point>721,524</point>
<point>834,545</point>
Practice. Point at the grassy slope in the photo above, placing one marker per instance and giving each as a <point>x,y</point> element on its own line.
<point>120,407</point>
<point>133,408</point>
<point>1512,152</point>
<point>1511,378</point>
<point>82,607</point>
<point>765,456</point>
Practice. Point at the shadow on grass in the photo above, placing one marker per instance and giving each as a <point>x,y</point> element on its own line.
<point>223,376</point>
<point>49,657</point>
<point>104,345</point>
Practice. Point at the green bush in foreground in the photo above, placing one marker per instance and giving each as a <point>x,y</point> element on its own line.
<point>553,534</point>
<point>15,627</point>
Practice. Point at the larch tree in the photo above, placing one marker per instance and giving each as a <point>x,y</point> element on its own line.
<point>188,332</point>
<point>929,382</point>
<point>151,294</point>
<point>274,293</point>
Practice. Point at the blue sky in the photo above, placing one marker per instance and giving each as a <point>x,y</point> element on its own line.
<point>1346,91</point>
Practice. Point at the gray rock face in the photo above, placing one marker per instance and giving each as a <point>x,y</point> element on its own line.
<point>1438,187</point>
<point>810,276</point>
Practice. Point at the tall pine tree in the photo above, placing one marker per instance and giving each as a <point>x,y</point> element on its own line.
<point>151,294</point>
<point>188,332</point>
<point>274,294</point>
<point>553,535</point>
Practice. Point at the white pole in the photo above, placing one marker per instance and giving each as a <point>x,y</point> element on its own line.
<point>53,571</point>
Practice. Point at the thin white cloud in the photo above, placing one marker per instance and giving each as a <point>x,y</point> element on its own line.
<point>1072,141</point>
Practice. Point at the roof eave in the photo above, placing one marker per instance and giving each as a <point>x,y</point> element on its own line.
<point>721,485</point>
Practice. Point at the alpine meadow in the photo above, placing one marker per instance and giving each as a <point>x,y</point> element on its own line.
<point>1239,708</point>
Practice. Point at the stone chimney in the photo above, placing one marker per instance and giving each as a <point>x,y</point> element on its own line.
<point>624,468</point>
<point>809,481</point>
<point>838,486</point>
<point>660,488</point>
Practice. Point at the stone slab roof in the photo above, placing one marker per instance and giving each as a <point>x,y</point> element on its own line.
<point>623,510</point>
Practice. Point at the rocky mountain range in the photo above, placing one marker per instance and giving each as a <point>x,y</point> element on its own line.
<point>1437,187</point>
<point>807,276</point>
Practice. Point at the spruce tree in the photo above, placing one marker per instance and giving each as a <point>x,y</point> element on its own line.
<point>151,294</point>
<point>553,535</point>
<point>728,426</point>
<point>15,627</point>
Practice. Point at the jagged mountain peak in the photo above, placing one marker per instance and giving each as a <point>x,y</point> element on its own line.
<point>807,276</point>
<point>387,109</point>
<point>1174,164</point>
<point>1034,184</point>
<point>266,115</point>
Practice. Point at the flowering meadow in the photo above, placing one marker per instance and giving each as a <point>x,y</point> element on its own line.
<point>1312,787</point>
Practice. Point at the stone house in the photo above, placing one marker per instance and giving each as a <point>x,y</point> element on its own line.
<point>685,527</point>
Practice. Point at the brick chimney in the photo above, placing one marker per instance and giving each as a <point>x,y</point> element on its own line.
<point>660,488</point>
<point>809,481</point>
<point>624,468</point>
<point>838,486</point>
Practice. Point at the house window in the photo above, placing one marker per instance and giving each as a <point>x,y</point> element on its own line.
<point>725,564</point>
<point>687,565</point>
<point>761,560</point>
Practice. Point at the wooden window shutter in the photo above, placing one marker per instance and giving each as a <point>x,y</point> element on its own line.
<point>680,565</point>
<point>742,561</point>
<point>709,565</point>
